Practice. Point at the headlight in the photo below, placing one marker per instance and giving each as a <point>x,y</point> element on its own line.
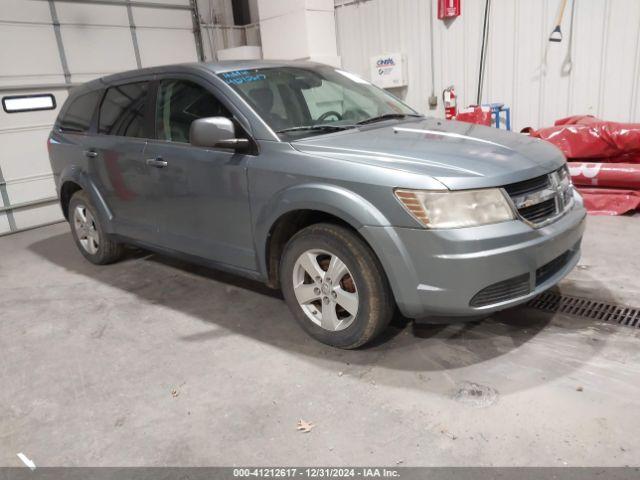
<point>466,208</point>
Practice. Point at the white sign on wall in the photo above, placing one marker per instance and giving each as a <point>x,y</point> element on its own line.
<point>389,70</point>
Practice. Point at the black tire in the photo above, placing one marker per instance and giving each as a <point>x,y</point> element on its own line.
<point>376,304</point>
<point>107,251</point>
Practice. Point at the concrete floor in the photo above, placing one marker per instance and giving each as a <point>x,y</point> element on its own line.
<point>153,362</point>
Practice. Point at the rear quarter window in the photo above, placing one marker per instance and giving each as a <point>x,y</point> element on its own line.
<point>77,118</point>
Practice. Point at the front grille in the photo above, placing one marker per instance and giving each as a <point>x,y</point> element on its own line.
<point>540,211</point>
<point>543,198</point>
<point>528,186</point>
<point>502,291</point>
<point>549,269</point>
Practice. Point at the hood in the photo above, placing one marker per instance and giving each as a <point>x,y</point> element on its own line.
<point>458,155</point>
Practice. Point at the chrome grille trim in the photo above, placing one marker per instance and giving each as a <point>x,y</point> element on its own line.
<point>534,206</point>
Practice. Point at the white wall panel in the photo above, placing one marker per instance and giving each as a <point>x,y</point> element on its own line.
<point>20,45</point>
<point>184,3</point>
<point>159,17</point>
<point>166,46</point>
<point>98,50</point>
<point>37,215</point>
<point>588,32</point>
<point>527,65</point>
<point>277,8</point>
<point>635,97</point>
<point>27,190</point>
<point>21,11</point>
<point>86,14</point>
<point>25,153</point>
<point>621,59</point>
<point>164,36</point>
<point>275,45</point>
<point>4,223</point>
<point>604,79</point>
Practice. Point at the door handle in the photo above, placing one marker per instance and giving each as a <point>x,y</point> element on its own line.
<point>156,162</point>
<point>90,153</point>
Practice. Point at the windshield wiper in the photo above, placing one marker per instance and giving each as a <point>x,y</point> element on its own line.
<point>315,127</point>
<point>387,116</point>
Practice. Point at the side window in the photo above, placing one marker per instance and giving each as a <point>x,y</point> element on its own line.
<point>77,118</point>
<point>123,109</point>
<point>180,103</point>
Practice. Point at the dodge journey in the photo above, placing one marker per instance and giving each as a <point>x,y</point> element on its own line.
<point>312,180</point>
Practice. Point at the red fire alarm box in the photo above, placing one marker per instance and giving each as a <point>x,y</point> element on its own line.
<point>448,9</point>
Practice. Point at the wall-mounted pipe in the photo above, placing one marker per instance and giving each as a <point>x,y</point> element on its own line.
<point>483,49</point>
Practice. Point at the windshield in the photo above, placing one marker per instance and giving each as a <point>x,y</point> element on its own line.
<point>297,102</point>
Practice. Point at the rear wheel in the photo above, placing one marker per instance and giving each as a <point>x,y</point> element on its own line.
<point>88,234</point>
<point>335,286</point>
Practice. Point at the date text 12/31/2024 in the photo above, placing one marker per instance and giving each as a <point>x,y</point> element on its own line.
<point>316,472</point>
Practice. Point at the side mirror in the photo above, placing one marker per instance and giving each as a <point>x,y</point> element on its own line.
<point>218,132</point>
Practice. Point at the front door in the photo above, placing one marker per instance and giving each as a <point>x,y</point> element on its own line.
<point>205,206</point>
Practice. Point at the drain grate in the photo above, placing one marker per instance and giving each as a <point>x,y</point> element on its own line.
<point>583,307</point>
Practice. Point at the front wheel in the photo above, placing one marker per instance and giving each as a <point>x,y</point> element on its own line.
<point>335,286</point>
<point>88,234</point>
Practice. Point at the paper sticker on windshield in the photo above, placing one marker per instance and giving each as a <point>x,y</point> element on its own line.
<point>239,77</point>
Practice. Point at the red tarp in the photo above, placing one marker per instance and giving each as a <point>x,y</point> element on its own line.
<point>584,136</point>
<point>609,175</point>
<point>609,201</point>
<point>601,154</point>
<point>475,115</point>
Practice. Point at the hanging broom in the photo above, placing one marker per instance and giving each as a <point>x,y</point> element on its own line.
<point>556,33</point>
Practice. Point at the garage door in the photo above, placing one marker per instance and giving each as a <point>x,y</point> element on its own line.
<point>48,46</point>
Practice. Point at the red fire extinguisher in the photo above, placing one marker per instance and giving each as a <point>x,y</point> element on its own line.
<point>450,104</point>
<point>448,9</point>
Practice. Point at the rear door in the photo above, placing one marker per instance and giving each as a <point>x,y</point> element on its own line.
<point>73,134</point>
<point>122,176</point>
<point>205,206</point>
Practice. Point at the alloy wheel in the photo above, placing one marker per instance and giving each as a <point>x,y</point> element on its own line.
<point>325,290</point>
<point>85,227</point>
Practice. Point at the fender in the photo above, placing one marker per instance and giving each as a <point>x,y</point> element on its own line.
<point>332,199</point>
<point>76,175</point>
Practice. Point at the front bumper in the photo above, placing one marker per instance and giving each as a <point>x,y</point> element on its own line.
<point>443,272</point>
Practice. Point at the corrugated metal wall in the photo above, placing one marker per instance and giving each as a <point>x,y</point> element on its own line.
<point>605,50</point>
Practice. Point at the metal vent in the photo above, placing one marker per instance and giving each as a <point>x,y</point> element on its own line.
<point>502,291</point>
<point>585,308</point>
<point>548,270</point>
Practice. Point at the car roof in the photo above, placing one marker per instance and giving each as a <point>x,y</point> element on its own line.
<point>231,65</point>
<point>213,67</point>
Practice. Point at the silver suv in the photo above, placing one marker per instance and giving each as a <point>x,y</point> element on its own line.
<point>312,180</point>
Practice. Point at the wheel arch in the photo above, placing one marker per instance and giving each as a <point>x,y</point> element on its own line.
<point>67,190</point>
<point>301,206</point>
<point>74,179</point>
